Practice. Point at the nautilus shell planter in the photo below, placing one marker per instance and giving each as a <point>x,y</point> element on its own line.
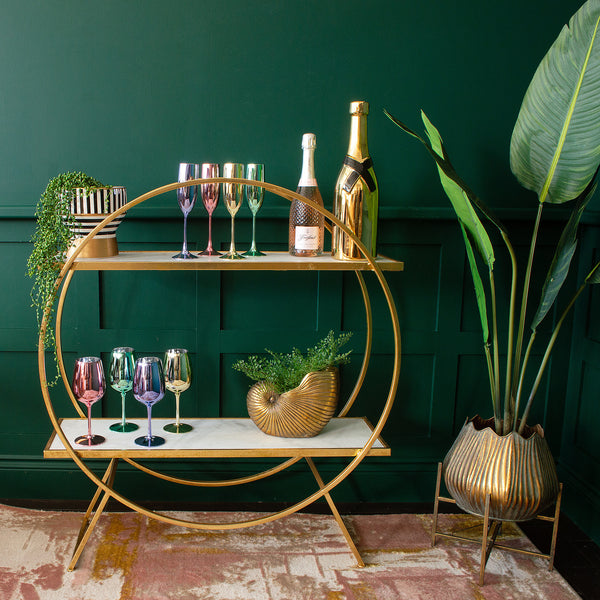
<point>516,471</point>
<point>298,413</point>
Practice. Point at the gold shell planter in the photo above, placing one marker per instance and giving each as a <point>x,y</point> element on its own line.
<point>517,472</point>
<point>298,413</point>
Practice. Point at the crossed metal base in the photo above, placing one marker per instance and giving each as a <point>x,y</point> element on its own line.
<point>491,530</point>
<point>100,498</point>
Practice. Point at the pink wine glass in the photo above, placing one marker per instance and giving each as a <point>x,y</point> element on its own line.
<point>89,386</point>
<point>210,193</point>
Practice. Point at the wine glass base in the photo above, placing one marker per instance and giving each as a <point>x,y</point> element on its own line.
<point>254,253</point>
<point>89,440</point>
<point>210,252</point>
<point>124,428</point>
<point>150,442</point>
<point>233,256</point>
<point>184,256</point>
<point>181,428</point>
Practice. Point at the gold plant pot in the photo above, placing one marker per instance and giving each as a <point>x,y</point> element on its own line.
<point>298,413</point>
<point>517,472</point>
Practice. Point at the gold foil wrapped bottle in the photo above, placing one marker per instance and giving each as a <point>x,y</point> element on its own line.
<point>356,200</point>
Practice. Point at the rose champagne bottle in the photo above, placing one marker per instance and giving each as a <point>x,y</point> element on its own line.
<point>307,225</point>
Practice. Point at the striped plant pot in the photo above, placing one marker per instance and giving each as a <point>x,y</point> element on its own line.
<point>90,207</point>
<point>516,472</point>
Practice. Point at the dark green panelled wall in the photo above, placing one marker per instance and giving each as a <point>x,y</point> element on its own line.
<point>125,90</point>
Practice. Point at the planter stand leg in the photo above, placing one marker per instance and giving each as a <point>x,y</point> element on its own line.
<point>486,548</point>
<point>492,529</point>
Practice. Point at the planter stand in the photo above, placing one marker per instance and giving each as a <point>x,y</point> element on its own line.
<point>491,529</point>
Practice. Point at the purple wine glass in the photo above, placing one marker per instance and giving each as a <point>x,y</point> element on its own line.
<point>149,388</point>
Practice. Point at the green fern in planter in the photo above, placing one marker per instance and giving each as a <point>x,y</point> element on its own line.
<point>285,371</point>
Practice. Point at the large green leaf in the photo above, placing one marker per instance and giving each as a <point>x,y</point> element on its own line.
<point>460,195</point>
<point>559,268</point>
<point>594,275</point>
<point>555,146</point>
<point>478,284</point>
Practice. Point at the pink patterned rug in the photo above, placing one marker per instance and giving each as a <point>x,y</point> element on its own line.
<point>301,557</point>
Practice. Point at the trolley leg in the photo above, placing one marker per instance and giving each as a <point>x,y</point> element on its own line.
<point>336,514</point>
<point>88,524</point>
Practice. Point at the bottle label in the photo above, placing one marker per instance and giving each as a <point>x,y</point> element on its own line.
<point>359,169</point>
<point>307,238</point>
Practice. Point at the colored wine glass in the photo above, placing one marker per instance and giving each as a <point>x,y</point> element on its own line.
<point>254,196</point>
<point>178,378</point>
<point>233,194</point>
<point>186,197</point>
<point>149,388</point>
<point>210,193</point>
<point>121,380</point>
<point>89,386</point>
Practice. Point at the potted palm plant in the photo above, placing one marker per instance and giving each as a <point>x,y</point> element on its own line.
<point>555,152</point>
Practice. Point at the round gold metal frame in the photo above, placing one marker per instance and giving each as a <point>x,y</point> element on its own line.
<point>105,484</point>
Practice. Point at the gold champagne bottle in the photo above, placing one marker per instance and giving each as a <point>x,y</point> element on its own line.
<point>356,199</point>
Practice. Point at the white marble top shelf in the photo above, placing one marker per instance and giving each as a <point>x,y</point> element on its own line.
<point>217,438</point>
<point>272,261</point>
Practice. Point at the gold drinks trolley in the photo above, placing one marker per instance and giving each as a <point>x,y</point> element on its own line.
<point>351,437</point>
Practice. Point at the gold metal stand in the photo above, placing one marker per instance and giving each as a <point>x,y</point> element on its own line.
<point>370,445</point>
<point>491,529</point>
<point>98,504</point>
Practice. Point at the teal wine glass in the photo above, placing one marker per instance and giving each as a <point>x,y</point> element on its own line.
<point>254,196</point>
<point>178,378</point>
<point>121,380</point>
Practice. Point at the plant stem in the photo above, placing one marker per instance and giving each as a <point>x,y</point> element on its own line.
<point>546,358</point>
<point>521,378</point>
<point>497,419</point>
<point>508,399</point>
<point>496,367</point>
<point>527,280</point>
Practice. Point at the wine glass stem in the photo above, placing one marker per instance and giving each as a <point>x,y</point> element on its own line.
<point>123,409</point>
<point>253,245</point>
<point>149,421</point>
<point>232,246</point>
<point>185,248</point>
<point>209,248</point>
<point>177,394</point>
<point>89,421</point>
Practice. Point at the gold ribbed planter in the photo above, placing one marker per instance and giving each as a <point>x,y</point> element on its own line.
<point>517,472</point>
<point>301,412</point>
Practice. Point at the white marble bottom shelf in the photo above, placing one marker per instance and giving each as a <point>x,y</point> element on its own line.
<point>216,438</point>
